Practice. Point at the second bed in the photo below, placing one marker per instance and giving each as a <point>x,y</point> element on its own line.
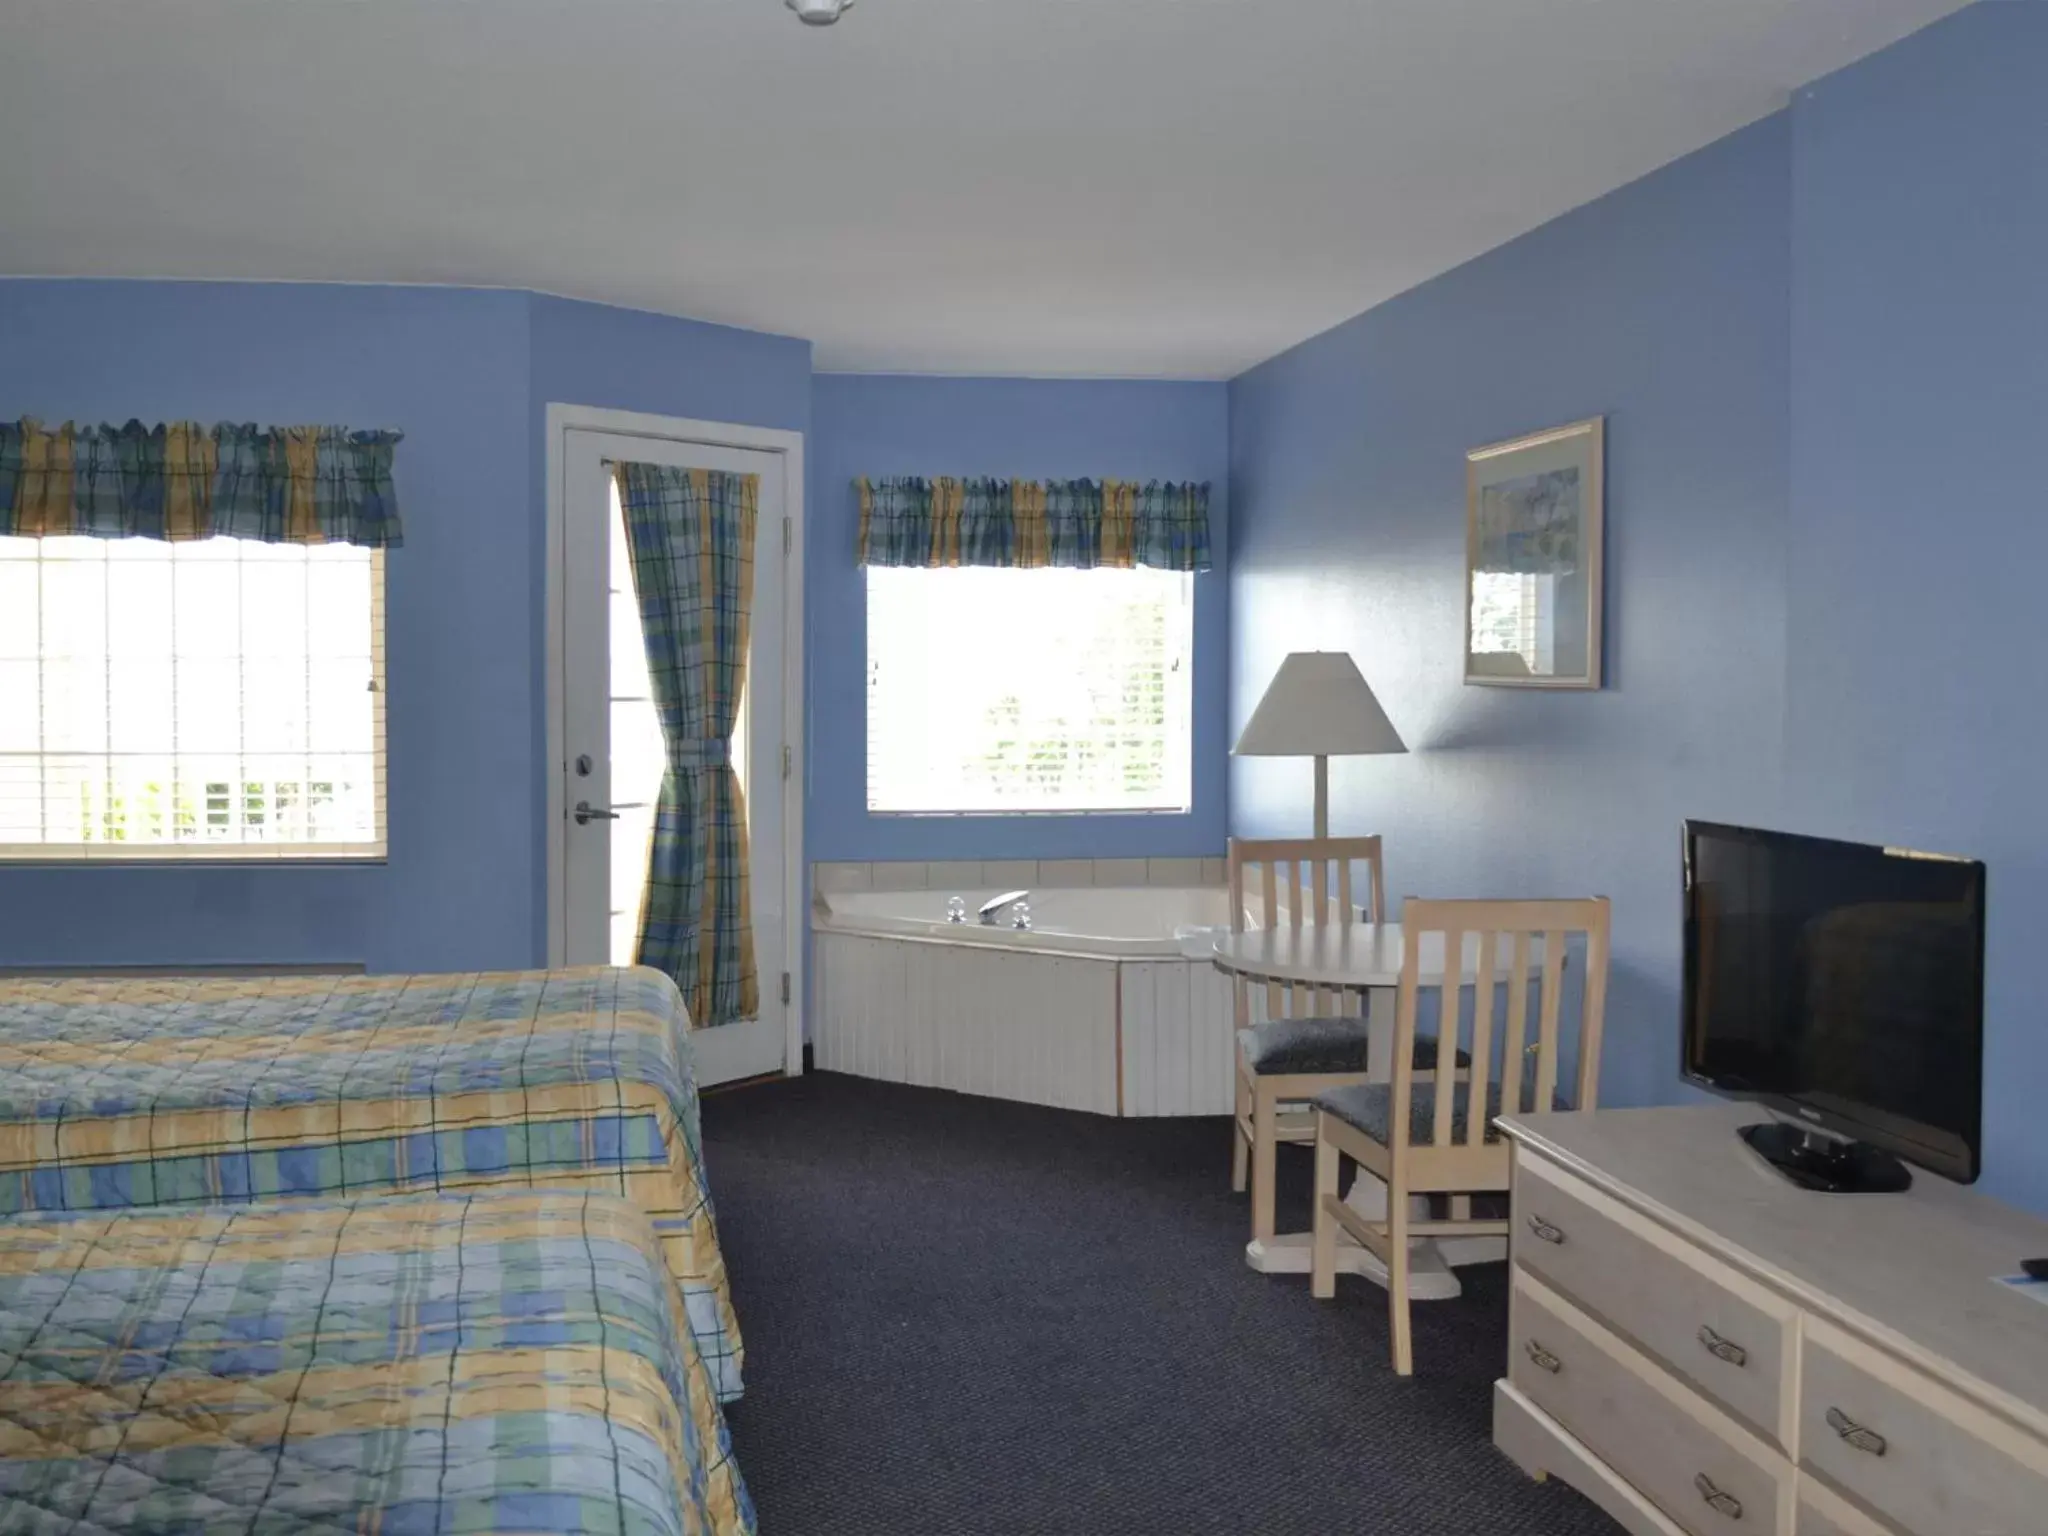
<point>177,1091</point>
<point>507,1361</point>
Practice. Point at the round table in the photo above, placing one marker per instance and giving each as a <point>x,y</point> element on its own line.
<point>1364,958</point>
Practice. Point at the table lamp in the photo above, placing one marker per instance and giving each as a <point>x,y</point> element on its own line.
<point>1318,705</point>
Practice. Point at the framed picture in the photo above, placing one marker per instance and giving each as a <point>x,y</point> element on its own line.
<point>1533,515</point>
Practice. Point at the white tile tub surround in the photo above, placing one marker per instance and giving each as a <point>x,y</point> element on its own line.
<point>1067,873</point>
<point>831,879</point>
<point>1123,871</point>
<point>1012,874</point>
<point>1006,874</point>
<point>1096,1008</point>
<point>953,874</point>
<point>899,877</point>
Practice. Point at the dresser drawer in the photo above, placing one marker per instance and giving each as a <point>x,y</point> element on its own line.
<point>1727,1336</point>
<point>1822,1513</point>
<point>1924,1458</point>
<point>1710,1475</point>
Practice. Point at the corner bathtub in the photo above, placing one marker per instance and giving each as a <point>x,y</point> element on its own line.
<point>1106,1003</point>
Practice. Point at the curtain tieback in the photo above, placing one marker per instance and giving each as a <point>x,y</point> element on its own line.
<point>700,754</point>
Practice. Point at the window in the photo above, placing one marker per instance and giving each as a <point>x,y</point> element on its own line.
<point>1512,614</point>
<point>216,699</point>
<point>996,690</point>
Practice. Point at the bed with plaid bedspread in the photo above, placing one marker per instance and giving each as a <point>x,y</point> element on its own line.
<point>506,1361</point>
<point>183,1090</point>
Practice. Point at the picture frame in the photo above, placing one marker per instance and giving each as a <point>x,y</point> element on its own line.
<point>1535,518</point>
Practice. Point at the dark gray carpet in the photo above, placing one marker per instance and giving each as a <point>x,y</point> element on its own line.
<point>967,1315</point>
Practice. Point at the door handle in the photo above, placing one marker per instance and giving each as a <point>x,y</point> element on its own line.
<point>585,814</point>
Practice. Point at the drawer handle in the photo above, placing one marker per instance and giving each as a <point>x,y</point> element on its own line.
<point>1852,1433</point>
<point>1723,1349</point>
<point>1719,1500</point>
<point>1545,1230</point>
<point>1543,1359</point>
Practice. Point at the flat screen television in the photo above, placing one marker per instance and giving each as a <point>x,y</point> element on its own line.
<point>1843,985</point>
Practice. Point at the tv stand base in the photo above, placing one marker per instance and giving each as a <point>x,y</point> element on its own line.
<point>1816,1161</point>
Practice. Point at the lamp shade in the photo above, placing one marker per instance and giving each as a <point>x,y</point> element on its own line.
<point>1318,705</point>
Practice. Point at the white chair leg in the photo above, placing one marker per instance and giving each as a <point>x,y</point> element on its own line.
<point>1264,1158</point>
<point>1323,1259</point>
<point>1397,1280</point>
<point>1240,1149</point>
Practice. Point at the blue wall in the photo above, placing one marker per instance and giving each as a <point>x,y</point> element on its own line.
<point>1822,348</point>
<point>1009,428</point>
<point>1662,306</point>
<point>466,376</point>
<point>628,360</point>
<point>449,368</point>
<point>1919,532</point>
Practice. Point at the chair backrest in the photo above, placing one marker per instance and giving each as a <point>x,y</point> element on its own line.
<point>1303,882</point>
<point>1491,942</point>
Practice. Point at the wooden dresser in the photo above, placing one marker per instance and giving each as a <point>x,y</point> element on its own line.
<point>1701,1347</point>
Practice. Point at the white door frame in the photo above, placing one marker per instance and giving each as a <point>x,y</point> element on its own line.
<point>563,419</point>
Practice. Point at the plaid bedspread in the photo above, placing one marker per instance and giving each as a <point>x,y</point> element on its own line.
<point>500,1362</point>
<point>187,1090</point>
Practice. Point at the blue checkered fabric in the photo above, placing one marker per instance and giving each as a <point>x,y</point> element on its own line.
<point>511,1362</point>
<point>134,1091</point>
<point>275,485</point>
<point>691,532</point>
<point>1080,524</point>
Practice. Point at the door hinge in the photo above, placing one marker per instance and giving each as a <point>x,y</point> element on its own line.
<point>788,536</point>
<point>788,759</point>
<point>785,989</point>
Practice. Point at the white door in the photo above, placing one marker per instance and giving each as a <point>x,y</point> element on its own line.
<point>612,758</point>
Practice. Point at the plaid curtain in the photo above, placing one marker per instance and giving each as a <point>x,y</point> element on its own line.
<point>691,532</point>
<point>279,485</point>
<point>1028,523</point>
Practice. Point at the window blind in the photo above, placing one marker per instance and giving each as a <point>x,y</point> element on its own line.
<point>221,699</point>
<point>1048,690</point>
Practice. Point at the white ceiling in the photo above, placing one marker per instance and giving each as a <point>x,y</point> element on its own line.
<point>1137,187</point>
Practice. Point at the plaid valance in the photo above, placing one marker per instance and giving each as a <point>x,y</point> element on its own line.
<point>1080,523</point>
<point>277,485</point>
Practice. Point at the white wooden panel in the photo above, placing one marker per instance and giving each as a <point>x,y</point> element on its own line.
<point>1015,1025</point>
<point>1177,1039</point>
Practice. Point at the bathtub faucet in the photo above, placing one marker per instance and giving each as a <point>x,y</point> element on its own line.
<point>991,910</point>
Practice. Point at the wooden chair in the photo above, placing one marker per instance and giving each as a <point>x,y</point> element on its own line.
<point>1309,1039</point>
<point>1440,1138</point>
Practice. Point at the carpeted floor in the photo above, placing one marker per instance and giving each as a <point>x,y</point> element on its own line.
<point>967,1315</point>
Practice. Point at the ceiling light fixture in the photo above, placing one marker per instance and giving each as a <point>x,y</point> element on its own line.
<point>819,13</point>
